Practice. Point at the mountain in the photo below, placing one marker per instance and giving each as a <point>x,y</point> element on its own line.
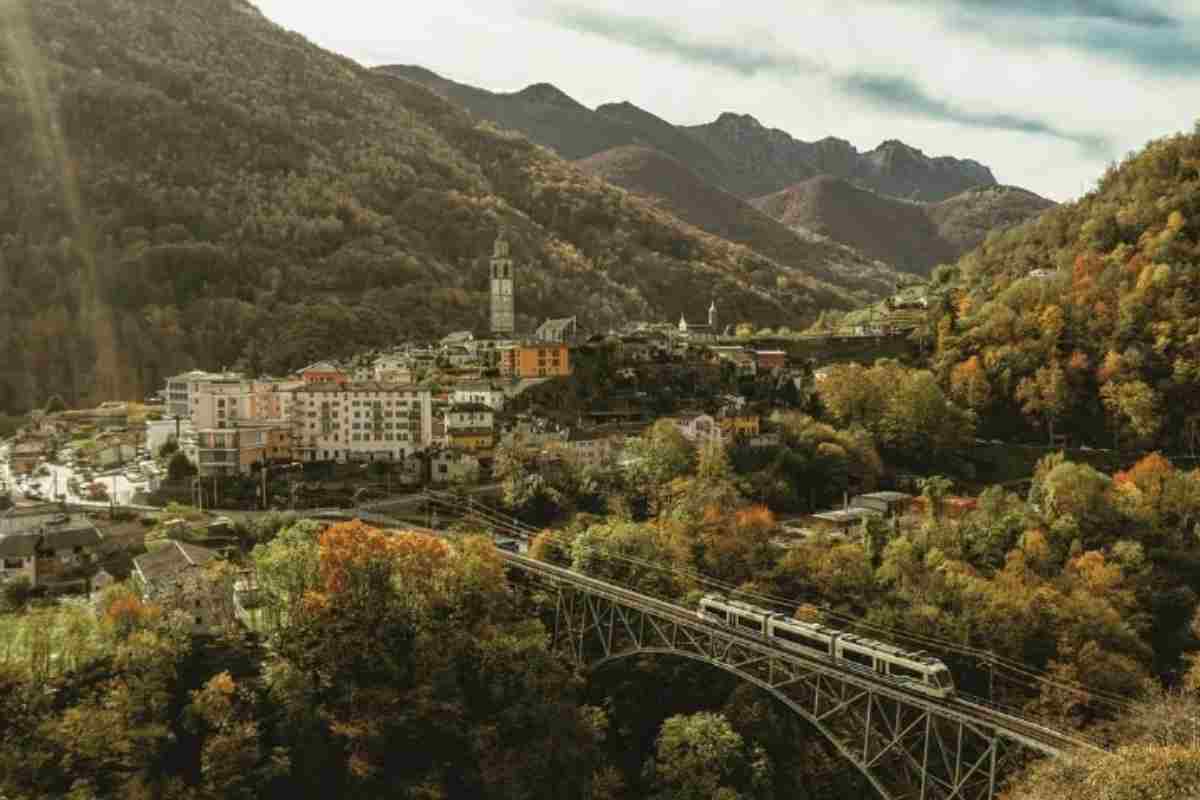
<point>682,192</point>
<point>186,184</point>
<point>1086,320</point>
<point>911,236</point>
<point>735,152</point>
<point>965,220</point>
<point>544,113</point>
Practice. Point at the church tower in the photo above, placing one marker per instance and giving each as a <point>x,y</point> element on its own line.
<point>712,316</point>
<point>503,314</point>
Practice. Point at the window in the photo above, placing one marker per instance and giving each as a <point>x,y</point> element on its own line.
<point>905,672</point>
<point>862,659</point>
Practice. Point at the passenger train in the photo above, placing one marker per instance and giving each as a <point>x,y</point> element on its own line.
<point>915,670</point>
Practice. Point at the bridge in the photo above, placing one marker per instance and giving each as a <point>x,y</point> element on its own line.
<point>909,746</point>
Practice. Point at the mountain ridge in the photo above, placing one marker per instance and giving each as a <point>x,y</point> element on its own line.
<point>738,153</point>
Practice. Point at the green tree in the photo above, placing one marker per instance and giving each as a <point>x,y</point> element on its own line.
<point>701,757</point>
<point>180,468</point>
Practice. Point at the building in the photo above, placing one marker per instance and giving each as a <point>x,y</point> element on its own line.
<point>697,427</point>
<point>483,392</point>
<point>367,421</point>
<point>323,372</point>
<point>161,431</point>
<point>41,544</point>
<point>738,425</point>
<point>697,330</point>
<point>469,427</point>
<point>768,360</point>
<point>591,448</point>
<point>503,306</point>
<point>840,520</point>
<point>453,466</point>
<point>181,388</point>
<point>557,330</point>
<point>887,503</point>
<point>742,359</point>
<point>544,360</point>
<point>238,449</point>
<point>173,576</point>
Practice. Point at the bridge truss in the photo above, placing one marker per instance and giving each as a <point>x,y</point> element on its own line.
<point>910,747</point>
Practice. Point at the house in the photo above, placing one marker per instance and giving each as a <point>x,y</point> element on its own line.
<point>840,520</point>
<point>464,338</point>
<point>453,466</point>
<point>469,426</point>
<point>887,503</point>
<point>697,427</point>
<point>768,360</point>
<point>174,577</point>
<point>181,388</point>
<point>557,330</point>
<point>42,543</point>
<point>543,360</point>
<point>742,359</point>
<point>589,448</point>
<point>458,356</point>
<point>323,372</point>
<point>738,425</point>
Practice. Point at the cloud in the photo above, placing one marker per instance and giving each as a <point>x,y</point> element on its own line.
<point>902,95</point>
<point>650,35</point>
<point>1114,11</point>
<point>886,92</point>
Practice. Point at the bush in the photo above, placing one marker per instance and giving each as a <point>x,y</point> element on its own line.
<point>170,447</point>
<point>16,593</point>
<point>55,404</point>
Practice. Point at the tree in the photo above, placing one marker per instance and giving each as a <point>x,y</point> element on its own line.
<point>168,448</point>
<point>969,384</point>
<point>180,468</point>
<point>55,404</point>
<point>1045,395</point>
<point>701,757</point>
<point>1132,405</point>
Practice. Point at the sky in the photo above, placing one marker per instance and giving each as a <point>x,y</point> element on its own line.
<point>1045,92</point>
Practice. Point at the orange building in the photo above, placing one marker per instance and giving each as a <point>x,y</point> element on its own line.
<point>323,372</point>
<point>543,360</point>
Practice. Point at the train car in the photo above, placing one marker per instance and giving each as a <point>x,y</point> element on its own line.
<point>916,671</point>
<point>734,613</point>
<point>804,637</point>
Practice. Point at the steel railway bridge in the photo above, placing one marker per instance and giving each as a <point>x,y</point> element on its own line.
<point>909,746</point>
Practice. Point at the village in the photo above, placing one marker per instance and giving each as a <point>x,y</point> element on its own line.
<point>87,486</point>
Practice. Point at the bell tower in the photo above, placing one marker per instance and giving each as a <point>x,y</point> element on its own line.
<point>503,314</point>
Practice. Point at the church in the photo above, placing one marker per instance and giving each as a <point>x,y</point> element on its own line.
<point>694,330</point>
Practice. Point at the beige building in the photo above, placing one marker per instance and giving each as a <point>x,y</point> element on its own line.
<point>237,449</point>
<point>362,421</point>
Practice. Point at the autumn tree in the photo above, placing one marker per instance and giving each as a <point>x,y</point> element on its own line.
<point>700,757</point>
<point>1045,396</point>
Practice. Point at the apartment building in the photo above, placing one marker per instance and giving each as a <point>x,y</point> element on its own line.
<point>181,389</point>
<point>542,360</point>
<point>360,421</point>
<point>239,448</point>
<point>469,427</point>
<point>482,392</point>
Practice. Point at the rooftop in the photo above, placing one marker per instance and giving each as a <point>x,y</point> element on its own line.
<point>168,562</point>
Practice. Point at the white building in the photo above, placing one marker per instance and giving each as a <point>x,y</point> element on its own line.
<point>161,431</point>
<point>361,421</point>
<point>483,393</point>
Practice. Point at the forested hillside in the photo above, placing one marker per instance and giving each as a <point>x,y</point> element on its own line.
<point>912,236</point>
<point>187,184</point>
<point>1103,343</point>
<point>682,192</point>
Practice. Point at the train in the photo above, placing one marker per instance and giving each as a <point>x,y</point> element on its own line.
<point>916,671</point>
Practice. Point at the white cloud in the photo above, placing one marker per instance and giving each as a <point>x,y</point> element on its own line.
<point>1013,70</point>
